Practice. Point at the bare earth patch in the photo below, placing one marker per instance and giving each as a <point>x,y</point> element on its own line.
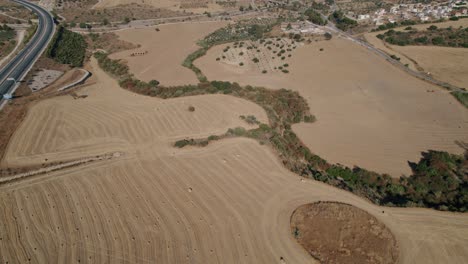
<point>341,233</point>
<point>161,53</point>
<point>43,78</point>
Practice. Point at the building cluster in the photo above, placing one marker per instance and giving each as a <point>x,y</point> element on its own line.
<point>418,11</point>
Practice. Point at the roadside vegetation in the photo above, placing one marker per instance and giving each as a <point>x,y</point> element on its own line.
<point>450,37</point>
<point>315,17</point>
<point>341,21</point>
<point>67,47</point>
<point>394,25</point>
<point>439,179</point>
<point>7,40</point>
<point>29,33</point>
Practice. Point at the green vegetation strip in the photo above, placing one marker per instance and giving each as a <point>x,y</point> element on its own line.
<point>451,37</point>
<point>439,179</point>
<point>67,47</point>
<point>462,97</point>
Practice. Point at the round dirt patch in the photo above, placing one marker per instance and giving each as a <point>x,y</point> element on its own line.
<point>340,233</point>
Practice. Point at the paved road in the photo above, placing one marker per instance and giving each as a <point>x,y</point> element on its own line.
<point>19,66</point>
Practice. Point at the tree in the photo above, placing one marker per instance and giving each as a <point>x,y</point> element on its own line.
<point>328,36</point>
<point>432,28</point>
<point>126,20</point>
<point>315,17</point>
<point>105,21</point>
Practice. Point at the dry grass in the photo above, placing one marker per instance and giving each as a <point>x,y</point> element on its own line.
<point>192,6</point>
<point>369,113</point>
<point>166,50</point>
<point>109,42</point>
<point>84,13</point>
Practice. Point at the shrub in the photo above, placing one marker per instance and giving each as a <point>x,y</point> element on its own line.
<point>213,137</point>
<point>153,83</point>
<point>182,143</point>
<point>191,109</point>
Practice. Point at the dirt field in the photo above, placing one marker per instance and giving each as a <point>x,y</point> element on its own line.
<point>230,202</point>
<point>369,113</point>
<point>268,55</point>
<point>443,63</point>
<point>166,50</point>
<point>341,233</point>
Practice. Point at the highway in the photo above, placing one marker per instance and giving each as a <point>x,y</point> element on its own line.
<point>21,64</point>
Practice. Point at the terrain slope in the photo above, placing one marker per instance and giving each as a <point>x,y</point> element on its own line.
<point>369,113</point>
<point>229,202</point>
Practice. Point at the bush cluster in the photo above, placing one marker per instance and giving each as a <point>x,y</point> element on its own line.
<point>342,22</point>
<point>67,47</point>
<point>432,36</point>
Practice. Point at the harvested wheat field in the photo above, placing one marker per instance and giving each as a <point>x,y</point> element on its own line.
<point>443,63</point>
<point>341,233</point>
<point>229,202</point>
<point>161,53</point>
<point>369,113</point>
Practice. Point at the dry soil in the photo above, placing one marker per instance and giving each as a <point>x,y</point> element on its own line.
<point>166,50</point>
